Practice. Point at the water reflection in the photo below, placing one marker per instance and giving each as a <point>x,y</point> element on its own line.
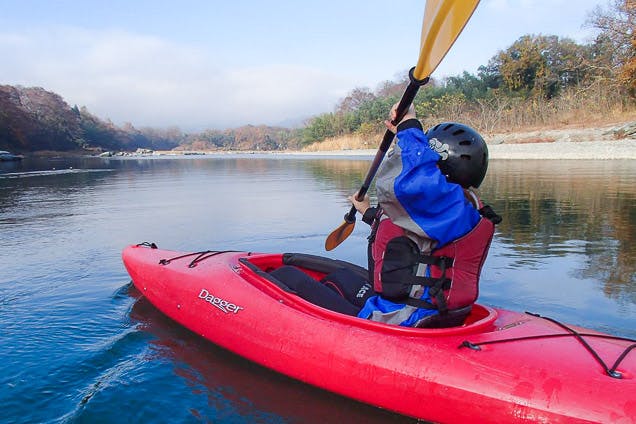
<point>565,208</point>
<point>344,175</point>
<point>241,391</point>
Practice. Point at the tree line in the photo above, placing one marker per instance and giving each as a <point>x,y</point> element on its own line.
<point>34,119</point>
<point>538,80</point>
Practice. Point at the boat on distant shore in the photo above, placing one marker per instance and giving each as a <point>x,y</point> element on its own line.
<point>8,156</point>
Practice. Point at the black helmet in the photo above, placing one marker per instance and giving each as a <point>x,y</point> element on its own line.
<point>464,154</point>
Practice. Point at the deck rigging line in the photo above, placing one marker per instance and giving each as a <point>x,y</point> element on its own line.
<point>612,372</point>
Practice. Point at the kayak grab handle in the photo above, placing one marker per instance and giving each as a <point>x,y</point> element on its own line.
<point>469,345</point>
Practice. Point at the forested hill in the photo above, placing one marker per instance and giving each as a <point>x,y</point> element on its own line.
<point>34,119</point>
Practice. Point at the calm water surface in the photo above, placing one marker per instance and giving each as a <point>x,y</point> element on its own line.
<point>79,344</point>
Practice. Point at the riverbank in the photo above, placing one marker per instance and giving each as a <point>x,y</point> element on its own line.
<point>563,150</point>
<point>600,142</point>
<point>582,150</point>
<point>614,141</point>
<point>603,142</point>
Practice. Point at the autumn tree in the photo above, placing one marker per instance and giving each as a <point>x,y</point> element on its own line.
<point>615,51</point>
<point>537,65</point>
<point>354,100</point>
<point>392,88</point>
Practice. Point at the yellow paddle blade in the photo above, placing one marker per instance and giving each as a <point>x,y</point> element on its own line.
<point>444,20</point>
<point>339,235</point>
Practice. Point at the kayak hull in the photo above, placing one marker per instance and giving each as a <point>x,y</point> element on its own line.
<point>425,373</point>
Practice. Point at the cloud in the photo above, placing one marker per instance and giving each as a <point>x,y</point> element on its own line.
<point>149,81</point>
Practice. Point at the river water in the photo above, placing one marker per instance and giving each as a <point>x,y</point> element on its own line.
<point>79,344</point>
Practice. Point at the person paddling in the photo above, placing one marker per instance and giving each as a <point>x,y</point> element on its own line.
<point>430,233</point>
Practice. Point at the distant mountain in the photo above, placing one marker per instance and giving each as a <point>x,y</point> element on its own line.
<point>34,119</point>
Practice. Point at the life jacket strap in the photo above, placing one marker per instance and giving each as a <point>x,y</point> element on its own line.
<point>436,285</point>
<point>440,261</point>
<point>372,217</point>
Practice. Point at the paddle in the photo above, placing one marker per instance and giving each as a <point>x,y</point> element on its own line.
<point>443,21</point>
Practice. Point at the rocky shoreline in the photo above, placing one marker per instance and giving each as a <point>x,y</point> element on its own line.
<point>604,142</point>
<point>583,150</point>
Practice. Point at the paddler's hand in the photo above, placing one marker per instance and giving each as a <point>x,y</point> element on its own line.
<point>410,114</point>
<point>360,205</point>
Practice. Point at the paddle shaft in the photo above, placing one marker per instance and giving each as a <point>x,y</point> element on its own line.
<point>407,98</point>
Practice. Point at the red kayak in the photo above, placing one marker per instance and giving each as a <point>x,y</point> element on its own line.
<point>499,366</point>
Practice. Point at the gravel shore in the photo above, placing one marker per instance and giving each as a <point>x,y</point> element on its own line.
<point>617,141</point>
<point>619,149</point>
<point>583,150</point>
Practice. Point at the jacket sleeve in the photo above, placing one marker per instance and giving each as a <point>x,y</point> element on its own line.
<point>369,215</point>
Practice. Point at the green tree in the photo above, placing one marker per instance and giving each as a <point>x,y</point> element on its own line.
<point>319,128</point>
<point>471,86</point>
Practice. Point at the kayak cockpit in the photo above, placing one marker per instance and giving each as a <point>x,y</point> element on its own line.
<point>260,266</point>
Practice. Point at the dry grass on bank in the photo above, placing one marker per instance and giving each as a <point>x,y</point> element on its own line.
<point>346,142</point>
<point>588,127</point>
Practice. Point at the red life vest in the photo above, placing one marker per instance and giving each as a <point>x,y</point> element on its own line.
<point>454,269</point>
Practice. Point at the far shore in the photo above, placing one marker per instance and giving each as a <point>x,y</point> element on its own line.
<point>582,150</point>
<point>606,142</point>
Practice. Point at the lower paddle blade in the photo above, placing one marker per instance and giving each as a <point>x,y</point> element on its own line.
<point>339,235</point>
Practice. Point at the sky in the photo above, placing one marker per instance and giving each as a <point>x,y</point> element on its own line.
<point>219,64</point>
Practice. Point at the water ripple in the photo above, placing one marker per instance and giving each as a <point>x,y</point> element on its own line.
<point>51,172</point>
